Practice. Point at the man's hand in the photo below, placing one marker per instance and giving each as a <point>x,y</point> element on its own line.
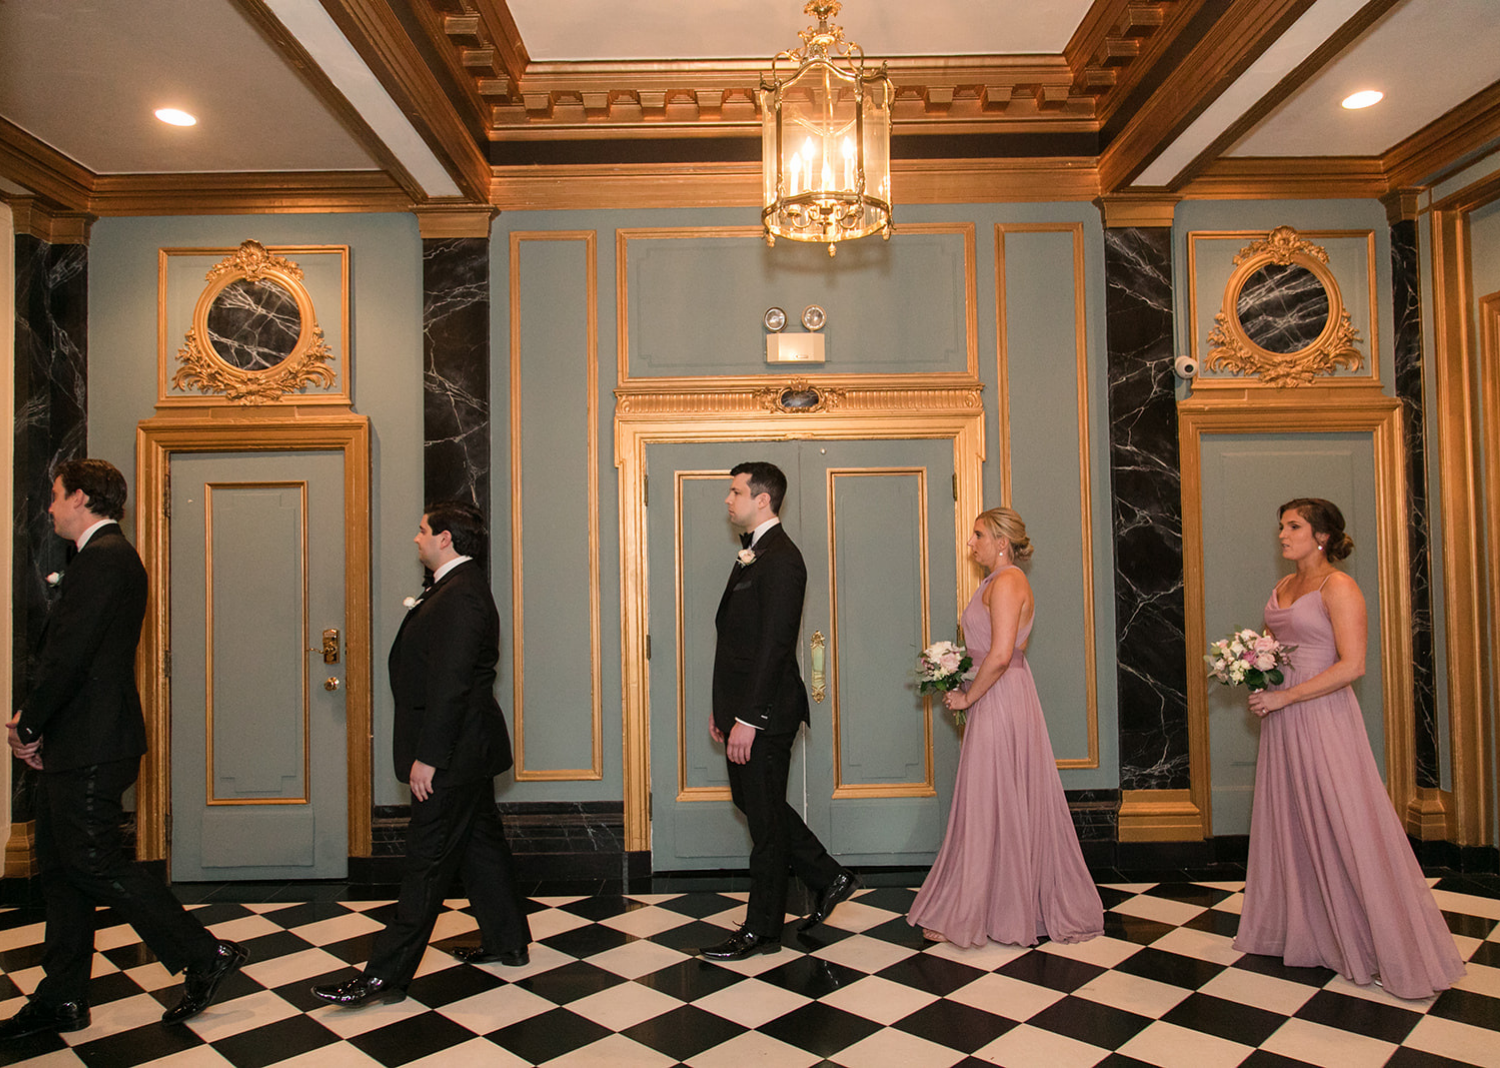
<point>741,738</point>
<point>420,780</point>
<point>29,752</point>
<point>714,732</point>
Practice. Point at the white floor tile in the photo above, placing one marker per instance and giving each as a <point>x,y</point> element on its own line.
<point>497,1008</point>
<point>624,1006</point>
<point>635,959</point>
<point>278,971</point>
<point>1259,991</point>
<point>751,1003</point>
<point>1329,1047</point>
<point>865,954</point>
<point>615,1051</point>
<point>890,1048</point>
<point>1132,993</point>
<point>1160,909</point>
<point>1200,944</point>
<point>643,923</point>
<point>1169,1046</point>
<point>1006,997</point>
<point>337,928</point>
<point>753,1049</point>
<point>1104,951</point>
<point>226,1018</point>
<point>1456,1041</point>
<point>476,1053</point>
<point>878,999</point>
<point>1032,1047</point>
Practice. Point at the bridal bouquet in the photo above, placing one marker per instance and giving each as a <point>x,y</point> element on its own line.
<point>941,667</point>
<point>1248,658</point>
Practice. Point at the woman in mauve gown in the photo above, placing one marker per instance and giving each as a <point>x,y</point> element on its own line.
<point>1010,869</point>
<point>1331,879</point>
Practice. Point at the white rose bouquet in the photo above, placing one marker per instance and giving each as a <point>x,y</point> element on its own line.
<point>941,667</point>
<point>1248,658</point>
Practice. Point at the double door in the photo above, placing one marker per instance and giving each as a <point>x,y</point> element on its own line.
<point>873,773</point>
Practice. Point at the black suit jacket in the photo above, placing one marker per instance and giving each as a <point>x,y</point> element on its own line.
<point>755,661</point>
<point>442,667</point>
<point>84,702</point>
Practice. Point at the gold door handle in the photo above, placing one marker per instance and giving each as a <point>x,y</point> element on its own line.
<point>819,690</point>
<point>330,684</point>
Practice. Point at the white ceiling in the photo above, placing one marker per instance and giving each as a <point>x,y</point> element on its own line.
<point>556,30</point>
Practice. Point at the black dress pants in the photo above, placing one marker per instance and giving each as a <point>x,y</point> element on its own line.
<point>456,830</point>
<point>81,854</point>
<point>781,843</point>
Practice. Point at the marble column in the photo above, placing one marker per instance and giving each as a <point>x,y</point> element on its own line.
<point>456,369</point>
<point>50,425</point>
<point>1406,304</point>
<point>1146,477</point>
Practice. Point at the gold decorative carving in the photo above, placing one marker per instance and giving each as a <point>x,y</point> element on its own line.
<point>824,398</point>
<point>1231,349</point>
<point>205,370</point>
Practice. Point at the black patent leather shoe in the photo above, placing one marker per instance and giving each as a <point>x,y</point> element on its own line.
<point>510,958</point>
<point>841,889</point>
<point>361,990</point>
<point>740,945</point>
<point>201,982</point>
<point>35,1019</point>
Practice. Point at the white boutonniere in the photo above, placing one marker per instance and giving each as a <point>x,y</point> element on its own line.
<point>746,557</point>
<point>410,603</point>
<point>55,579</point>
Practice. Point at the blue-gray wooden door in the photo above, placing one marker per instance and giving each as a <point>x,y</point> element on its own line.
<point>873,773</point>
<point>1246,477</point>
<point>259,759</point>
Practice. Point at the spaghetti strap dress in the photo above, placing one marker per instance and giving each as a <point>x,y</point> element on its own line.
<point>1331,880</point>
<point>1010,869</point>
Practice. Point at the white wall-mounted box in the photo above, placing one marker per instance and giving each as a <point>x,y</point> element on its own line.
<point>794,348</point>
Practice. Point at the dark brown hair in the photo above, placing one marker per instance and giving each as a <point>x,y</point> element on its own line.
<point>101,483</point>
<point>1325,519</point>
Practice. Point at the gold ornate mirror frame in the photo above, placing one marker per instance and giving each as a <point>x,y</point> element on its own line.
<point>202,368</point>
<point>1232,349</point>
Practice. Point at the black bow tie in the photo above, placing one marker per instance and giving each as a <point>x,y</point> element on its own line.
<point>426,580</point>
<point>745,539</point>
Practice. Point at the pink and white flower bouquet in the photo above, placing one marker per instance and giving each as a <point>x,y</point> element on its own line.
<point>1248,658</point>
<point>944,666</point>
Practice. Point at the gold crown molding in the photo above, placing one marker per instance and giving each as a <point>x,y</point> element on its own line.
<point>1119,42</point>
<point>42,169</point>
<point>442,221</point>
<point>1231,349</point>
<point>1436,149</point>
<point>1289,178</point>
<point>1231,44</point>
<point>29,216</point>
<point>715,185</point>
<point>251,192</point>
<point>1325,410</point>
<point>1402,205</point>
<point>377,33</point>
<point>677,398</point>
<point>1137,209</point>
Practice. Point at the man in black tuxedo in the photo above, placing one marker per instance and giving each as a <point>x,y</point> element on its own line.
<point>759,705</point>
<point>450,742</point>
<point>81,727</point>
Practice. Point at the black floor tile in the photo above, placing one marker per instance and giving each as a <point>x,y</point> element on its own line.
<point>690,980</point>
<point>411,1038</point>
<point>820,1029</point>
<point>1468,1007</point>
<point>1190,973</point>
<point>689,937</point>
<point>895,899</point>
<point>699,905</point>
<point>136,1046</point>
<point>1226,924</point>
<point>570,982</point>
<point>935,975</point>
<point>354,950</point>
<point>1363,1017</point>
<point>1469,926</point>
<point>114,986</point>
<point>1226,1019</point>
<point>274,1042</point>
<point>1278,969</point>
<point>548,1035</point>
<point>1112,897</point>
<point>684,1032</point>
<point>306,912</point>
<point>24,1049</point>
<point>1134,928</point>
<point>587,940</point>
<point>1189,893</point>
<point>898,932</point>
<point>277,944</point>
<point>957,1026</point>
<point>602,908</point>
<point>1052,971</point>
<point>1262,1058</point>
<point>452,984</point>
<point>812,977</point>
<point>1406,1057</point>
<point>1104,1025</point>
<point>1487,954</point>
<point>233,986</point>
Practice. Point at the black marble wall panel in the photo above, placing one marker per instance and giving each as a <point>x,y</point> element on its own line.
<point>456,369</point>
<point>1283,307</point>
<point>51,424</point>
<point>1146,476</point>
<point>1406,303</point>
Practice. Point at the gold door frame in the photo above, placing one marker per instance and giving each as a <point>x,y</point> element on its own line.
<point>744,413</point>
<point>286,430</point>
<point>1186,814</point>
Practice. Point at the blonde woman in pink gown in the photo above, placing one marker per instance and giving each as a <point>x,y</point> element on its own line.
<point>1010,869</point>
<point>1331,879</point>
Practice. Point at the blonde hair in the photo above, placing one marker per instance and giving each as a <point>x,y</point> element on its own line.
<point>1005,523</point>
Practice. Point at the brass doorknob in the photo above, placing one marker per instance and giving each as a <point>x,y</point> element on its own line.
<point>330,684</point>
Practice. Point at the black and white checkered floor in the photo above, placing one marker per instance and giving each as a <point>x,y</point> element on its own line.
<point>613,982</point>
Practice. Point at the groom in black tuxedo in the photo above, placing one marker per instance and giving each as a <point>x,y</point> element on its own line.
<point>81,727</point>
<point>450,742</point>
<point>759,705</point>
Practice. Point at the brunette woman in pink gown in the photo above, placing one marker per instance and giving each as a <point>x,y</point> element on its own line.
<point>1331,881</point>
<point>1010,869</point>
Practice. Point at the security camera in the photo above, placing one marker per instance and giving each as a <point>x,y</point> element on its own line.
<point>1186,367</point>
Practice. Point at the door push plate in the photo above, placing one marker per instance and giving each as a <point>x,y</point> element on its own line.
<point>331,646</point>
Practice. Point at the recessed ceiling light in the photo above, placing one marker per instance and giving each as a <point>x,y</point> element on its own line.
<point>174,117</point>
<point>1363,99</point>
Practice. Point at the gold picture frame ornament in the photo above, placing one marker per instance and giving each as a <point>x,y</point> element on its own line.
<point>1232,349</point>
<point>205,370</point>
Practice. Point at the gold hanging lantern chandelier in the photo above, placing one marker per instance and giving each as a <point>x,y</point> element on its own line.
<point>826,139</point>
